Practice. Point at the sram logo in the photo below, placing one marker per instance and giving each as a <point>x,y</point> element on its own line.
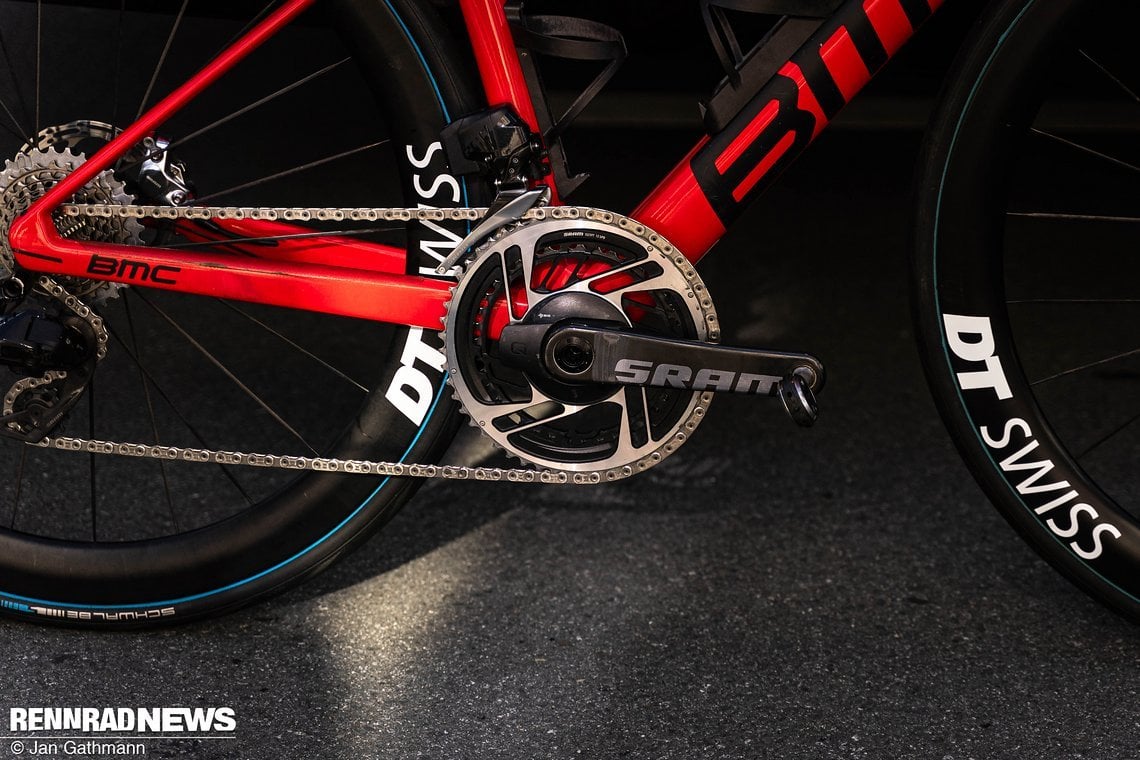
<point>642,372</point>
<point>138,271</point>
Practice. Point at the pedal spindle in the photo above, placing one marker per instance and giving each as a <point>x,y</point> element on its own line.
<point>799,399</point>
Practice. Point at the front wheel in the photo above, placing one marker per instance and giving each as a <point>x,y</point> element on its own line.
<point>1027,280</point>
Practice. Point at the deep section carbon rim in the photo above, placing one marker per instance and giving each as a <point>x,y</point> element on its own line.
<point>1036,342</point>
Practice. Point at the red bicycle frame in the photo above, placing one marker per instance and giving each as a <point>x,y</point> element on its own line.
<point>692,206</point>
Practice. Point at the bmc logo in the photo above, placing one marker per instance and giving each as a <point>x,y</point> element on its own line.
<point>126,269</point>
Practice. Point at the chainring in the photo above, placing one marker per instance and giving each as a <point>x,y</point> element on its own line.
<point>625,268</point>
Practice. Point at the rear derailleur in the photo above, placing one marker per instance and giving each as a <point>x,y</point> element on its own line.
<point>51,343</point>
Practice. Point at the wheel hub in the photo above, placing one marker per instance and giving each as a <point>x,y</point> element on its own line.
<point>560,308</point>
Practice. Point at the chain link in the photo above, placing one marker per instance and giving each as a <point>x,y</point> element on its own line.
<point>315,464</point>
<point>304,213</point>
<point>82,310</point>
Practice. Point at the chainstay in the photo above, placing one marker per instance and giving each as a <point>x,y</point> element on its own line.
<point>317,464</point>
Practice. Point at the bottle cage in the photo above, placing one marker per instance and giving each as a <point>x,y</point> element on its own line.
<point>746,72</point>
<point>570,38</point>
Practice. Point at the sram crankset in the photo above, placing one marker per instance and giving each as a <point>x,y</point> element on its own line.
<point>588,345</point>
<point>580,341</point>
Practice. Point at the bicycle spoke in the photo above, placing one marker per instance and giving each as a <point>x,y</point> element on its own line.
<point>292,343</point>
<point>15,89</point>
<point>1100,441</point>
<point>178,413</point>
<point>1116,301</point>
<point>256,104</point>
<point>150,414</point>
<point>19,485</point>
<point>227,372</point>
<point>289,236</point>
<point>249,25</point>
<point>1120,83</point>
<point>289,172</point>
<point>18,133</point>
<point>162,58</point>
<point>1072,217</point>
<point>118,63</point>
<point>91,457</point>
<point>39,43</point>
<point>1084,149</point>
<point>1090,365</point>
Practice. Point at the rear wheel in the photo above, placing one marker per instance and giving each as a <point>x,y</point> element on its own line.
<point>99,541</point>
<point>1027,280</point>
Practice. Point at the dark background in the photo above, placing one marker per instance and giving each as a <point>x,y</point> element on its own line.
<point>839,592</point>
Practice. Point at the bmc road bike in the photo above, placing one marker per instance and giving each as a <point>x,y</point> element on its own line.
<point>161,256</point>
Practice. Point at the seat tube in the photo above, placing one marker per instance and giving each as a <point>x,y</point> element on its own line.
<point>498,61</point>
<point>499,67</point>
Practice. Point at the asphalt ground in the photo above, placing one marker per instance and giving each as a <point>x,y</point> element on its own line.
<point>839,592</point>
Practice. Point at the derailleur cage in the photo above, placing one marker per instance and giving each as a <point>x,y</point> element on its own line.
<point>53,353</point>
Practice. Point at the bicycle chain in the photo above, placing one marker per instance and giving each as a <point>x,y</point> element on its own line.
<point>81,310</point>
<point>316,464</point>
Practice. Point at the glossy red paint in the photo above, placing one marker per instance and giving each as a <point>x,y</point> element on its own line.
<point>805,98</point>
<point>553,280</point>
<point>167,107</point>
<point>678,209</point>
<point>354,278</point>
<point>498,61</point>
<point>748,136</point>
<point>764,166</point>
<point>318,276</point>
<point>326,250</point>
<point>844,63</point>
<point>890,23</point>
<point>380,296</point>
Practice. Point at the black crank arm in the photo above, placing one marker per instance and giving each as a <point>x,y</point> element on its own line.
<point>586,353</point>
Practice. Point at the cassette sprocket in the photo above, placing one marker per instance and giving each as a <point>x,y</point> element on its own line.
<point>35,169</point>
